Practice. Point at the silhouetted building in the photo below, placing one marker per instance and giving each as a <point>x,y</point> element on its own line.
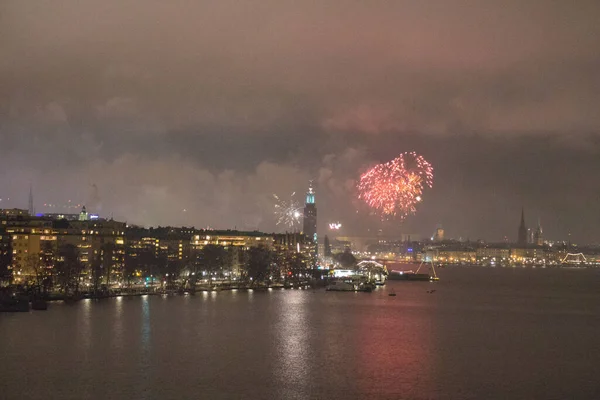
<point>522,238</point>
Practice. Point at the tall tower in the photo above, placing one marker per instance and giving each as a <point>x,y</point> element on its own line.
<point>539,235</point>
<point>31,209</point>
<point>310,217</point>
<point>522,238</point>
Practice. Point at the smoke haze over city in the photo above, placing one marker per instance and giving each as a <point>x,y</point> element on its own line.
<point>181,113</point>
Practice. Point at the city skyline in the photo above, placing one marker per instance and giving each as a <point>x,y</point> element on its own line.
<point>307,217</point>
<point>159,118</point>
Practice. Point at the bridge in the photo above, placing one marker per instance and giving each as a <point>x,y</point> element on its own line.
<point>574,258</point>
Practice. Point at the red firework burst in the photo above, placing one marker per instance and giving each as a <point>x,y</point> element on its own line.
<point>394,188</point>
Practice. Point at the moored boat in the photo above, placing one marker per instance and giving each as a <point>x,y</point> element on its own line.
<point>14,304</point>
<point>340,286</point>
<point>408,276</point>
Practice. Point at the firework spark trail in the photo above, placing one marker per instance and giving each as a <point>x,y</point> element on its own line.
<point>394,188</point>
<point>288,212</point>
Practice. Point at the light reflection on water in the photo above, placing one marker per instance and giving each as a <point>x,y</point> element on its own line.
<point>483,334</point>
<point>293,343</point>
<point>117,334</point>
<point>145,331</point>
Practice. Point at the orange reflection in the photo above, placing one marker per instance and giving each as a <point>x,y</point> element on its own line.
<point>395,349</point>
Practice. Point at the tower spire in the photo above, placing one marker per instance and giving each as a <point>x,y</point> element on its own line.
<point>310,220</point>
<point>522,216</point>
<point>31,209</point>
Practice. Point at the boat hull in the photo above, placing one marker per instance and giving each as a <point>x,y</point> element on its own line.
<point>409,277</point>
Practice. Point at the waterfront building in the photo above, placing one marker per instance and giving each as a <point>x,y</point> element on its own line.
<point>97,242</point>
<point>492,255</point>
<point>168,248</point>
<point>33,238</point>
<point>28,237</point>
<point>235,243</point>
<point>529,255</point>
<point>456,256</point>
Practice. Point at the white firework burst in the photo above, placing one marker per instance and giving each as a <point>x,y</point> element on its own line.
<point>288,212</point>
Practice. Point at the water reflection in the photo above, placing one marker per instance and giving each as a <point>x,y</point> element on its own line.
<point>394,345</point>
<point>85,325</point>
<point>143,374</point>
<point>117,331</point>
<point>293,338</point>
<point>316,344</point>
<point>145,326</point>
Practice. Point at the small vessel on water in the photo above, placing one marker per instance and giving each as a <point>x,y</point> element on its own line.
<point>350,285</point>
<point>340,286</point>
<point>414,276</point>
<point>408,276</point>
<point>13,303</point>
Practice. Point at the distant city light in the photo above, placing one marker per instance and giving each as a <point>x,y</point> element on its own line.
<point>335,226</point>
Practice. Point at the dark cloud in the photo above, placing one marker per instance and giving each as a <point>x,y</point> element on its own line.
<point>148,110</point>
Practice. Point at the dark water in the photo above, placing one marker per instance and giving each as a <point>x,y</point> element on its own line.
<point>485,333</point>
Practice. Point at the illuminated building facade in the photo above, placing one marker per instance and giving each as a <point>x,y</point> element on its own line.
<point>231,238</point>
<point>34,238</point>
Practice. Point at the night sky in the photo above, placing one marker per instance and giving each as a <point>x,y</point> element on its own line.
<point>142,110</point>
